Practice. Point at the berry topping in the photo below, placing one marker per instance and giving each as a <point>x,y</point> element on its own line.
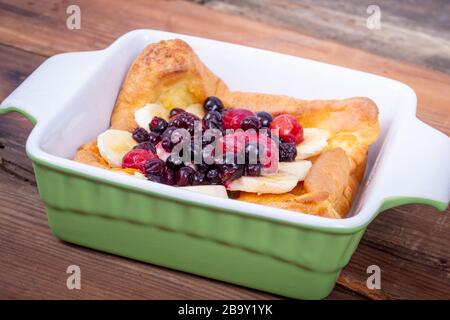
<point>175,111</point>
<point>158,125</point>
<point>251,122</point>
<point>288,151</point>
<point>265,118</point>
<point>289,130</point>
<point>233,118</point>
<point>213,104</point>
<point>147,145</point>
<point>136,158</point>
<point>140,135</point>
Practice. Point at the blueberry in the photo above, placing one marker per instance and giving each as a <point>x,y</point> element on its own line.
<point>186,121</point>
<point>158,125</point>
<point>174,163</point>
<point>212,120</point>
<point>230,172</point>
<point>213,176</point>
<point>213,103</point>
<point>251,153</point>
<point>147,145</point>
<point>198,178</point>
<point>140,135</point>
<point>175,111</point>
<point>265,118</point>
<point>183,176</point>
<point>154,138</point>
<point>288,151</point>
<point>251,122</point>
<point>253,170</point>
<point>201,167</point>
<point>166,144</point>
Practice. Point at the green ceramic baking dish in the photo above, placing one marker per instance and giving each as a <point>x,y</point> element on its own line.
<point>70,98</point>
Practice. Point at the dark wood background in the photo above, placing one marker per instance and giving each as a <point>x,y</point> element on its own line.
<point>409,243</point>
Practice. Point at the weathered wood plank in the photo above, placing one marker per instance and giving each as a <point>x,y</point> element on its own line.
<point>414,31</point>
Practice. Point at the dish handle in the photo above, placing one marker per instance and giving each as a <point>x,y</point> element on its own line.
<point>418,168</point>
<point>45,91</point>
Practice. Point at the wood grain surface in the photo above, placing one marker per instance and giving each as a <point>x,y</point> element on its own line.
<point>409,243</point>
<point>416,31</point>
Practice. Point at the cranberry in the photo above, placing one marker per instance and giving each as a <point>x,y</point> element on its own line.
<point>268,153</point>
<point>140,135</point>
<point>175,111</point>
<point>233,118</point>
<point>234,142</point>
<point>136,158</point>
<point>265,118</point>
<point>213,104</point>
<point>288,128</point>
<point>288,151</point>
<point>158,125</point>
<point>253,170</point>
<point>251,122</point>
<point>154,167</point>
<point>147,145</point>
<point>183,176</point>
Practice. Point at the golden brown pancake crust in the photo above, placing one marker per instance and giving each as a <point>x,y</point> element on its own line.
<point>170,73</point>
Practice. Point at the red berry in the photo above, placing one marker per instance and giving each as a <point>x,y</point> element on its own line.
<point>268,153</point>
<point>136,158</point>
<point>288,128</point>
<point>234,142</point>
<point>233,118</point>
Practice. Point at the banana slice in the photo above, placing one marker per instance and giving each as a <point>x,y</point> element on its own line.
<point>280,182</point>
<point>196,109</point>
<point>114,144</point>
<point>212,190</point>
<point>299,168</point>
<point>144,115</point>
<point>314,140</point>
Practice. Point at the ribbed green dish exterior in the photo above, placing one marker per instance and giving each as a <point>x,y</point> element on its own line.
<point>289,260</point>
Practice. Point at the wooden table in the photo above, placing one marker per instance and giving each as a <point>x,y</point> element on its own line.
<point>409,243</point>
